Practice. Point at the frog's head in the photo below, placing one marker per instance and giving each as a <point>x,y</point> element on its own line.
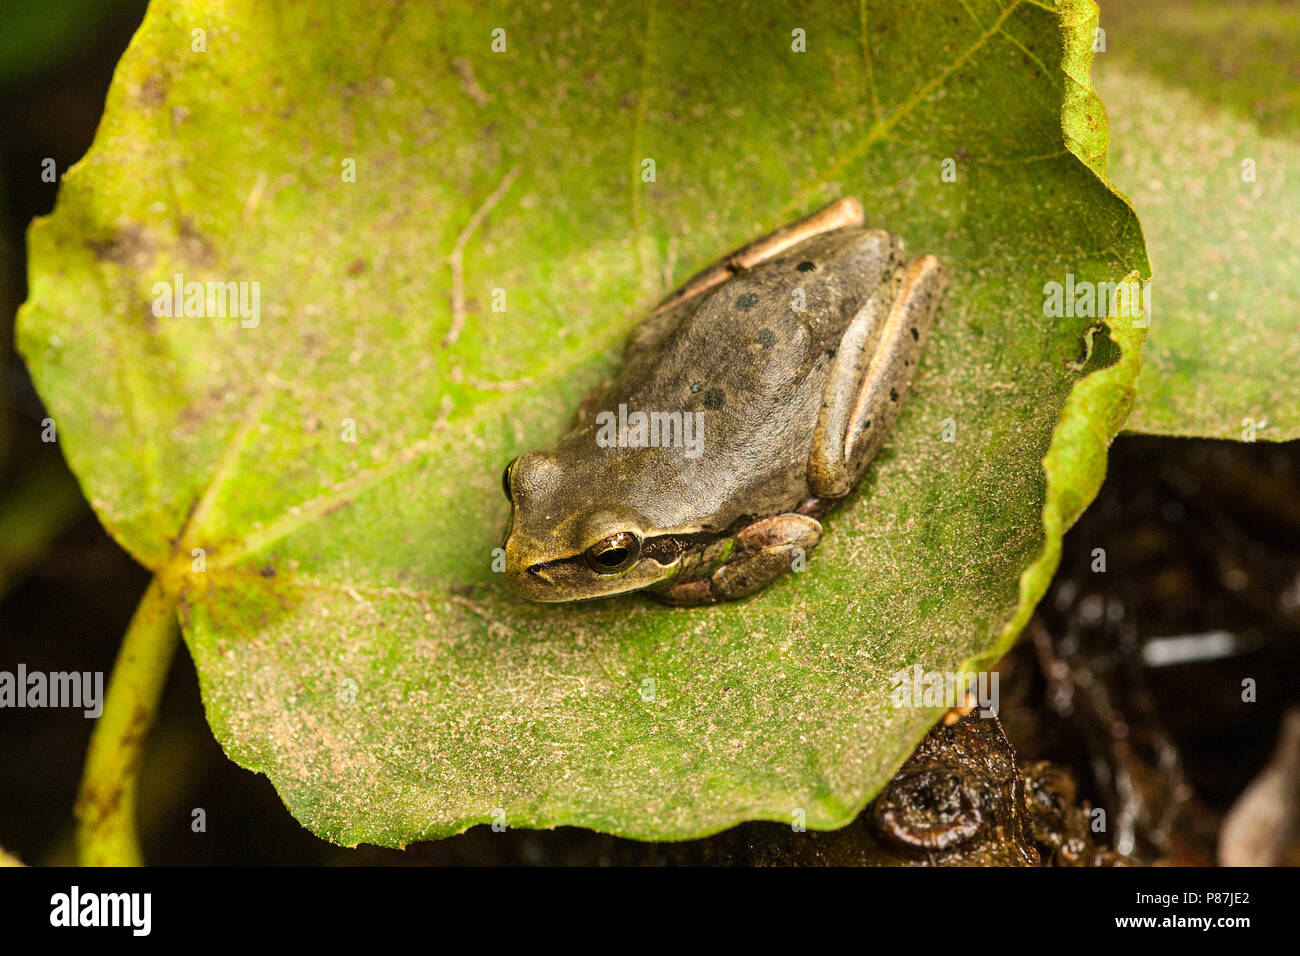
<point>568,540</point>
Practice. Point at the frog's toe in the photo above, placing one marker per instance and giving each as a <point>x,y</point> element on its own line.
<point>687,594</point>
<point>765,550</point>
<point>778,533</point>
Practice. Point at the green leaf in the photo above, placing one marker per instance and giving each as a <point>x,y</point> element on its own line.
<point>351,639</point>
<point>1205,105</point>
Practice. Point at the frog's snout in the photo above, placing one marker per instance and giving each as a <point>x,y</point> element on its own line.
<point>525,574</point>
<point>535,584</point>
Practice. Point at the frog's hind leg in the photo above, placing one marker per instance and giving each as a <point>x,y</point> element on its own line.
<point>763,551</point>
<point>873,368</point>
<point>645,338</point>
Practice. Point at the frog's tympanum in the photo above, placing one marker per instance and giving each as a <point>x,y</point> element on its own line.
<point>751,401</point>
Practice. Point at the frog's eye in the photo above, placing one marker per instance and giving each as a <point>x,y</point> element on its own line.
<point>505,480</point>
<point>613,554</point>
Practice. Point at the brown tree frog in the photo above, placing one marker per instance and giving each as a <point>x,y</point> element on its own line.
<point>751,401</point>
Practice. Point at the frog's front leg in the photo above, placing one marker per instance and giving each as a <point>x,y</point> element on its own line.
<point>874,366</point>
<point>763,551</point>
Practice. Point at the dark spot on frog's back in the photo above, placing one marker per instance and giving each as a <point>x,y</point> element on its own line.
<point>893,394</point>
<point>806,266</point>
<point>766,338</point>
<point>715,398</point>
<point>915,334</point>
<point>747,300</point>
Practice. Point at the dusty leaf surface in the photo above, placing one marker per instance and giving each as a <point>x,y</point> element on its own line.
<point>351,638</point>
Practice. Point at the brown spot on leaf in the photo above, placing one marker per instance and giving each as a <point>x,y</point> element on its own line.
<point>198,248</point>
<point>131,248</point>
<point>152,92</point>
<point>468,83</point>
<point>336,507</point>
